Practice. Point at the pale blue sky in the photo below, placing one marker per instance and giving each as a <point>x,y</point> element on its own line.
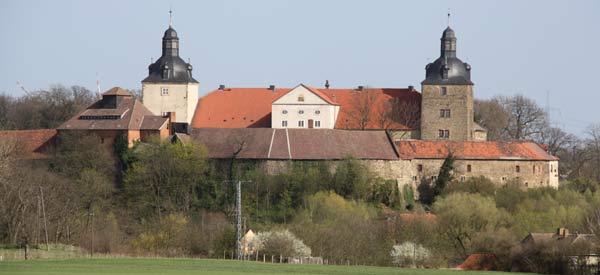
<point>529,47</point>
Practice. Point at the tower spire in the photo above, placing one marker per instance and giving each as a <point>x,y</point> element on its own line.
<point>170,16</point>
<point>448,18</point>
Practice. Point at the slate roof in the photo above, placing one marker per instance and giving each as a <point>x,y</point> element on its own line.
<point>421,149</point>
<point>296,144</point>
<point>30,143</point>
<point>251,107</point>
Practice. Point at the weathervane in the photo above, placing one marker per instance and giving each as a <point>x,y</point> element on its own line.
<point>170,16</point>
<point>448,17</point>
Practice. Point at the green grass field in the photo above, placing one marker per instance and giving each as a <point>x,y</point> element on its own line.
<point>200,267</point>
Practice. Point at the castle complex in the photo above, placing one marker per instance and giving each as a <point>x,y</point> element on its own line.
<point>400,133</point>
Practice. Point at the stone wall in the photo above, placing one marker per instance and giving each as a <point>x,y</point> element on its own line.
<point>459,99</point>
<point>530,174</point>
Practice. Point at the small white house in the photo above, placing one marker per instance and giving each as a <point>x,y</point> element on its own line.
<point>304,107</point>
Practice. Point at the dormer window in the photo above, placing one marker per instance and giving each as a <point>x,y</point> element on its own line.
<point>164,91</point>
<point>301,98</point>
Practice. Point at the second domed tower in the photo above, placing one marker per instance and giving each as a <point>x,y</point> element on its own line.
<point>170,87</point>
<point>447,96</point>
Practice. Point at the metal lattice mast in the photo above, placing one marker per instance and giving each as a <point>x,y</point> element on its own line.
<point>238,221</point>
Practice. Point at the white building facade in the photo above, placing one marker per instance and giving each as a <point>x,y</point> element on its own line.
<point>304,107</point>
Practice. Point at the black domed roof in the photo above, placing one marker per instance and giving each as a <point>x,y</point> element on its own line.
<point>448,69</point>
<point>170,33</point>
<point>170,68</point>
<point>458,72</point>
<point>448,33</point>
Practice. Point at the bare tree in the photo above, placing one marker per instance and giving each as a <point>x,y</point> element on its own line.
<point>593,147</point>
<point>492,116</point>
<point>362,108</point>
<point>526,119</point>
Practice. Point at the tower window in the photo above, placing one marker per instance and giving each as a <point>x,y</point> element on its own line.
<point>300,123</point>
<point>443,91</point>
<point>301,98</point>
<point>284,123</point>
<point>164,91</point>
<point>444,133</point>
<point>444,112</point>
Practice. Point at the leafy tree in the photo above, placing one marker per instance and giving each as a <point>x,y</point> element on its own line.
<point>352,179</point>
<point>165,178</point>
<point>462,217</point>
<point>477,185</point>
<point>79,151</point>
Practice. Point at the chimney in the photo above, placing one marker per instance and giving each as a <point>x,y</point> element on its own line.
<point>222,87</point>
<point>271,87</point>
<point>411,88</point>
<point>360,88</point>
<point>326,84</point>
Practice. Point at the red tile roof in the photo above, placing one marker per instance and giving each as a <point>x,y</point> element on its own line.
<point>420,149</point>
<point>251,107</point>
<point>30,143</point>
<point>236,108</point>
<point>297,144</point>
<point>353,102</point>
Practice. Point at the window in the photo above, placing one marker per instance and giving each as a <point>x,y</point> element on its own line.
<point>301,112</point>
<point>469,168</point>
<point>503,178</point>
<point>420,167</point>
<point>284,123</point>
<point>518,169</point>
<point>317,112</point>
<point>462,178</point>
<point>444,91</point>
<point>300,123</point>
<point>444,112</point>
<point>284,112</point>
<point>317,123</point>
<point>165,114</point>
<point>301,98</point>
<point>433,177</point>
<point>444,133</point>
<point>164,91</point>
<point>415,178</point>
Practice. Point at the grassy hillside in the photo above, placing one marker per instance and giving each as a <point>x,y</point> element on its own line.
<point>200,267</point>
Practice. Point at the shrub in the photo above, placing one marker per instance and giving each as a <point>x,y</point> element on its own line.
<point>410,254</point>
<point>280,243</point>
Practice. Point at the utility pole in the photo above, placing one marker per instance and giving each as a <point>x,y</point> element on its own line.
<point>238,219</point>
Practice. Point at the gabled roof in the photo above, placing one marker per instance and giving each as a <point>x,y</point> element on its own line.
<point>314,91</point>
<point>295,144</point>
<point>127,115</point>
<point>30,144</point>
<point>251,107</point>
<point>421,149</point>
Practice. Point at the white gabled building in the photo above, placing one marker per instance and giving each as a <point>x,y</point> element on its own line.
<point>304,107</point>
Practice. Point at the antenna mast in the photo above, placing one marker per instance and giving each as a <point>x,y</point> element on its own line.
<point>23,88</point>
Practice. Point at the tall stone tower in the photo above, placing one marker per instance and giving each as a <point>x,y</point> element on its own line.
<point>170,86</point>
<point>447,96</point>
